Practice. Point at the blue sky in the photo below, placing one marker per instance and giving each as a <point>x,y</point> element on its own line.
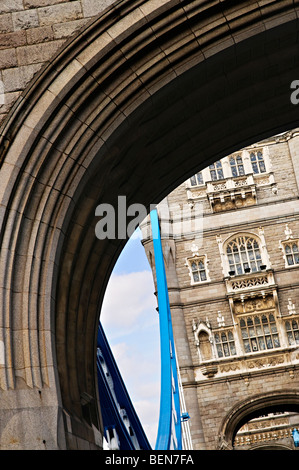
<point>131,324</point>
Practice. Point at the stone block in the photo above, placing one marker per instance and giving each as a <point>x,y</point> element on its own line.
<point>94,7</point>
<point>6,24</point>
<point>60,13</point>
<point>11,5</point>
<point>65,30</point>
<point>15,39</point>
<point>38,35</point>
<point>40,3</point>
<point>25,19</point>
<point>15,79</point>
<point>37,53</point>
<point>8,58</point>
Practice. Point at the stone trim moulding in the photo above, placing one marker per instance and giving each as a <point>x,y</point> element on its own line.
<point>69,133</point>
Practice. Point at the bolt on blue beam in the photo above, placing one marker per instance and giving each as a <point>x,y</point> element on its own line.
<point>169,430</point>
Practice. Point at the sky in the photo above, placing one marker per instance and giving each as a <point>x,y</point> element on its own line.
<point>131,323</point>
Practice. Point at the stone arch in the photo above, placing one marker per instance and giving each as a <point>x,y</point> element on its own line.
<point>138,95</point>
<point>252,407</point>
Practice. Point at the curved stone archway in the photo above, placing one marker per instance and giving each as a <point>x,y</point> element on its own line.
<point>136,102</point>
<point>253,407</point>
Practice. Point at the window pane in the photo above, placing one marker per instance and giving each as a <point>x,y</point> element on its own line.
<point>244,334</point>
<point>199,178</point>
<point>225,349</point>
<point>290,338</point>
<point>276,341</point>
<point>262,343</point>
<point>195,277</point>
<point>247,346</point>
<point>251,331</point>
<point>269,342</point>
<point>234,171</point>
<point>255,168</point>
<point>241,170</point>
<point>219,350</point>
<point>259,330</point>
<point>203,276</point>
<point>262,167</point>
<point>193,181</point>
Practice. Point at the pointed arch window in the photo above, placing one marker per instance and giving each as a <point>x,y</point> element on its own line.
<point>292,330</point>
<point>257,162</point>
<point>198,270</point>
<point>216,171</point>
<point>291,253</point>
<point>236,165</point>
<point>243,254</point>
<point>197,179</point>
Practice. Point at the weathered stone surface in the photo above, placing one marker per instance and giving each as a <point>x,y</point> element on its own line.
<point>71,140</point>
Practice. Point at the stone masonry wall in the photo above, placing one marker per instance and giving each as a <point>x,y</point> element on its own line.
<point>31,33</point>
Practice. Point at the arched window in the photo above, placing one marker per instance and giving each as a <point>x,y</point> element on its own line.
<point>216,171</point>
<point>198,270</point>
<point>237,167</point>
<point>292,253</point>
<point>243,254</point>
<point>259,333</point>
<point>292,332</point>
<point>196,179</point>
<point>257,162</point>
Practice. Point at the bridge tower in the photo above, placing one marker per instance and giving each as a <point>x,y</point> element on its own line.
<point>230,238</point>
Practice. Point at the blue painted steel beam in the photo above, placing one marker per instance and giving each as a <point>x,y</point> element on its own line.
<point>169,430</point>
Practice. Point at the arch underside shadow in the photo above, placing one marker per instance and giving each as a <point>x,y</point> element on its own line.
<point>135,117</point>
<point>253,407</point>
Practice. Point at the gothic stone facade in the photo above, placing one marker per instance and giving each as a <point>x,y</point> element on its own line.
<point>231,251</point>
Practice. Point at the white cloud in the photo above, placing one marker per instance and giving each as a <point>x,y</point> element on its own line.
<point>131,323</point>
<point>127,298</point>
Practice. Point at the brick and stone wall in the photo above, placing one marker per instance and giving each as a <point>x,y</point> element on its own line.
<point>31,33</point>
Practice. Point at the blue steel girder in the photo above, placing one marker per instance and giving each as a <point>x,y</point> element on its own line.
<point>169,430</point>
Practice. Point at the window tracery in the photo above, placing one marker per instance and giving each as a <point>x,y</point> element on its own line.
<point>257,162</point>
<point>243,254</point>
<point>198,269</point>
<point>225,344</point>
<point>292,331</point>
<point>259,332</point>
<point>237,166</point>
<point>216,171</point>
